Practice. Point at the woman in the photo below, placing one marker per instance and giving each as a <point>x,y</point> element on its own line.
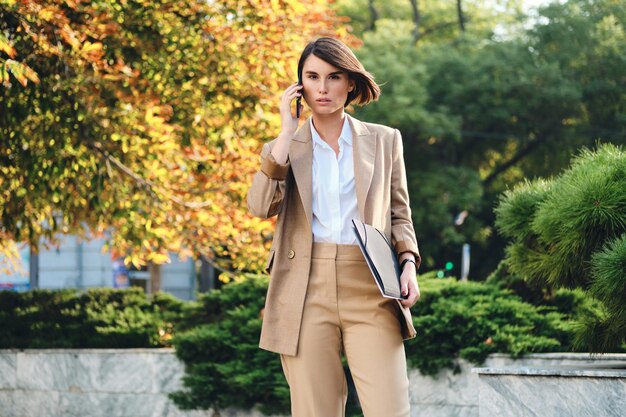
<point>322,300</point>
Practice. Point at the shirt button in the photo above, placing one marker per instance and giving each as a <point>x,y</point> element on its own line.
<point>291,254</point>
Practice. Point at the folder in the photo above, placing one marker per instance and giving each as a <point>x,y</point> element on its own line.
<point>380,257</point>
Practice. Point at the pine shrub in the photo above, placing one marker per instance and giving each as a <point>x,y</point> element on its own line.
<point>569,232</point>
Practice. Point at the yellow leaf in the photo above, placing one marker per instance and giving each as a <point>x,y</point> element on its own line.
<point>160,231</point>
<point>159,258</point>
<point>21,72</point>
<point>6,46</point>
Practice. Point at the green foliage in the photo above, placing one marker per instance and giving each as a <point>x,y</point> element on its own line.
<point>574,304</point>
<point>97,318</point>
<point>454,319</point>
<point>225,366</point>
<point>438,20</point>
<point>608,271</point>
<point>572,234</point>
<point>482,110</point>
<point>513,217</point>
<point>471,320</point>
<point>572,218</point>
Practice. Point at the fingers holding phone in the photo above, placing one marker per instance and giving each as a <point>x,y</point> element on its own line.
<point>299,102</point>
<point>288,121</point>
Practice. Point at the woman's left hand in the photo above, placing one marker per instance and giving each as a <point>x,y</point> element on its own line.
<point>408,285</point>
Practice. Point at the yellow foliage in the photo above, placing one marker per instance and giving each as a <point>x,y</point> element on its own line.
<point>157,136</point>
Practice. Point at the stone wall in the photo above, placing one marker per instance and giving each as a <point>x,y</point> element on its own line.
<point>135,383</point>
<point>581,390</point>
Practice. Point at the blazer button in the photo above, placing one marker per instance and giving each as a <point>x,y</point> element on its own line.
<point>291,254</point>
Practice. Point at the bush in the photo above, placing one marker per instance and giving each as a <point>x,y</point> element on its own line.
<point>97,318</point>
<point>570,232</point>
<point>225,367</point>
<point>573,304</point>
<point>471,320</point>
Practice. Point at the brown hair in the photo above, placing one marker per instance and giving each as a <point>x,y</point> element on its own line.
<point>339,55</point>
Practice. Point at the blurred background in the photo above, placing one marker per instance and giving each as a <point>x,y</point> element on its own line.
<point>130,130</point>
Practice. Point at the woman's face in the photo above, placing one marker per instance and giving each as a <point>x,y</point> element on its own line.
<point>325,86</point>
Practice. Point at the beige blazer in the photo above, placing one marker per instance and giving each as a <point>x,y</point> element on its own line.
<point>286,191</point>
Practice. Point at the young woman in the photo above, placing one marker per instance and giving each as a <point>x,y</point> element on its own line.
<point>322,301</point>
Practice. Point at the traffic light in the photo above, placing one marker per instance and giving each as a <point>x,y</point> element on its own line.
<point>447,271</point>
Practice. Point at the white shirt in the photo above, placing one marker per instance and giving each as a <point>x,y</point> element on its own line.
<point>334,189</point>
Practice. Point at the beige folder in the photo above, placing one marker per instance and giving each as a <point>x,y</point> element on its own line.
<point>380,257</point>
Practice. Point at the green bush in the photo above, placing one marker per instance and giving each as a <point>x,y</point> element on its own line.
<point>97,318</point>
<point>470,320</point>
<point>573,304</point>
<point>570,232</point>
<point>225,367</point>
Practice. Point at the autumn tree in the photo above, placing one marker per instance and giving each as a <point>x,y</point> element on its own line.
<point>141,121</point>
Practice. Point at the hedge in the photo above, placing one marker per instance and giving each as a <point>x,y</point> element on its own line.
<point>225,367</point>
<point>217,336</point>
<point>97,318</point>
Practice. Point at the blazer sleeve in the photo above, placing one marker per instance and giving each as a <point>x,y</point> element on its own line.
<point>268,185</point>
<point>402,231</point>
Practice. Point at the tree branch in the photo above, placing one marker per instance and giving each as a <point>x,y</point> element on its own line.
<point>521,154</point>
<point>149,185</point>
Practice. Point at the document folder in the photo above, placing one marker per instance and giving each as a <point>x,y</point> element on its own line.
<point>380,257</point>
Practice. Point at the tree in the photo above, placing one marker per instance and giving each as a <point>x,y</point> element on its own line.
<point>432,21</point>
<point>571,232</point>
<point>479,112</point>
<point>142,120</point>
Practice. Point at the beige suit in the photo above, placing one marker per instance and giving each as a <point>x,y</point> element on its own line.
<point>286,191</point>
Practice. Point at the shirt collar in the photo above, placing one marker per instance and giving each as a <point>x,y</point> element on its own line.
<point>345,135</point>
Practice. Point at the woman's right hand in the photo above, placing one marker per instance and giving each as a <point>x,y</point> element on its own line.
<point>289,123</point>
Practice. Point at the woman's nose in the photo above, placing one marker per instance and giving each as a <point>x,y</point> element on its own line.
<point>322,87</point>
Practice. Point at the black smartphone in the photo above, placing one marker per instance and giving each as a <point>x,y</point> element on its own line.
<point>298,101</point>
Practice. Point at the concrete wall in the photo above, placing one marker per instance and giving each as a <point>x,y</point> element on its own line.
<point>559,390</point>
<point>135,383</point>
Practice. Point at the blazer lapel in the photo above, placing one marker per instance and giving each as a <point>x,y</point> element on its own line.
<point>301,160</point>
<point>364,144</point>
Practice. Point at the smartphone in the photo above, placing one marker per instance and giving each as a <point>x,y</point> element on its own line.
<point>298,100</point>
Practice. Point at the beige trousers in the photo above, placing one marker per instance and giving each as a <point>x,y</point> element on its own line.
<point>344,312</point>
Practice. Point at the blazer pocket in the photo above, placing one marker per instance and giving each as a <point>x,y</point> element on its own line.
<point>270,262</point>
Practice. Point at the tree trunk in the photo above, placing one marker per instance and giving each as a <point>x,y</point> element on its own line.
<point>459,10</point>
<point>373,15</point>
<point>155,277</point>
<point>207,276</point>
<point>416,20</point>
<point>33,268</point>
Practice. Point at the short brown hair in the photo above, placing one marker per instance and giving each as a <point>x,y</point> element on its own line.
<point>339,55</point>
